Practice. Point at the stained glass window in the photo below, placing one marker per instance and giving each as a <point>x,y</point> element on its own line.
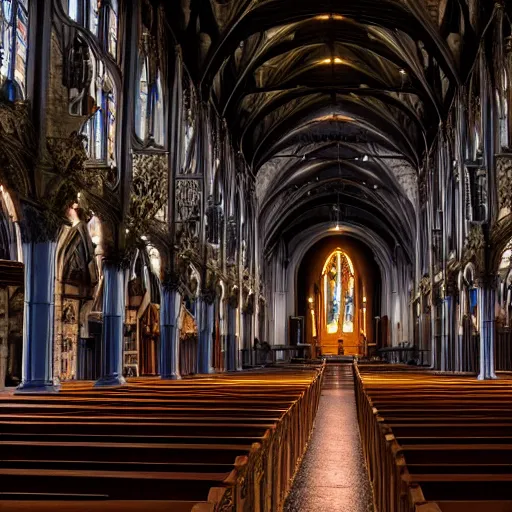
<point>100,130</point>
<point>88,14</point>
<point>338,282</point>
<point>149,122</point>
<point>14,47</point>
<point>101,127</point>
<point>111,14</point>
<point>142,103</point>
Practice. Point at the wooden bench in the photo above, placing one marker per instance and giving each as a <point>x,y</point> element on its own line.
<point>231,442</point>
<point>435,443</point>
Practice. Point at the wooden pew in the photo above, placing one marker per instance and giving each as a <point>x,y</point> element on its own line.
<point>228,442</point>
<point>435,443</point>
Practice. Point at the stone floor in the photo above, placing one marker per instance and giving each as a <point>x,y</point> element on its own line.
<point>333,475</point>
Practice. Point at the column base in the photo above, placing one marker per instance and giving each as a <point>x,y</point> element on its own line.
<point>37,387</point>
<point>208,372</point>
<point>110,381</point>
<point>172,376</point>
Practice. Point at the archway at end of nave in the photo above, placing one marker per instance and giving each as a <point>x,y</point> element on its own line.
<point>339,296</point>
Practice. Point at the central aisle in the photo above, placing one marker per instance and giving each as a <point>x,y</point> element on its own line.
<point>333,476</point>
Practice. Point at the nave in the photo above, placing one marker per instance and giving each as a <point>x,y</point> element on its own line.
<point>333,474</point>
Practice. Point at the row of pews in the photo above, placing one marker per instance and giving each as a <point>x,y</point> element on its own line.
<point>230,442</point>
<point>435,443</point>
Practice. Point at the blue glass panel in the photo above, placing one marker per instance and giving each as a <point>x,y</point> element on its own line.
<point>473,300</point>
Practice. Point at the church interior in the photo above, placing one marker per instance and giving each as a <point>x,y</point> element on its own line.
<point>255,255</point>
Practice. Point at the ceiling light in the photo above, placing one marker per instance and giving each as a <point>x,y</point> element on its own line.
<point>365,158</point>
<point>337,228</point>
<point>325,17</point>
<point>335,60</point>
<point>310,300</point>
<point>402,71</point>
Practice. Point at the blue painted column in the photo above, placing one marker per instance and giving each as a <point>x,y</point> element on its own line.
<point>486,305</point>
<point>170,305</point>
<point>112,336</point>
<point>231,349</point>
<point>205,352</point>
<point>38,321</point>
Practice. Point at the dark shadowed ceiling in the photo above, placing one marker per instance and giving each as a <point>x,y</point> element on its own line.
<point>333,103</point>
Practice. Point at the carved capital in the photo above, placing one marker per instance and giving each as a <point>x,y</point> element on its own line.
<point>172,281</point>
<point>39,224</point>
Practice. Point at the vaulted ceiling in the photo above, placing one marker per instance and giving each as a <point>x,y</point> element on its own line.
<point>333,103</point>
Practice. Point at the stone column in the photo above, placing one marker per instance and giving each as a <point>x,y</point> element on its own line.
<point>486,320</point>
<point>4,334</point>
<point>205,352</point>
<point>170,306</point>
<point>230,339</point>
<point>112,336</point>
<point>39,310</point>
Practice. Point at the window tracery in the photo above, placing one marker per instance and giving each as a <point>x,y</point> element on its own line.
<point>91,85</point>
<point>149,108</point>
<point>338,280</point>
<point>99,18</point>
<point>14,27</point>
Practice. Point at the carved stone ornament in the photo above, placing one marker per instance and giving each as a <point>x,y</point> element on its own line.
<point>232,241</point>
<point>423,189</point>
<point>214,219</point>
<point>504,176</point>
<point>452,281</point>
<point>474,249</point>
<point>17,146</point>
<point>172,280</point>
<point>425,285</point>
<point>150,179</point>
<point>234,297</point>
<point>188,215</point>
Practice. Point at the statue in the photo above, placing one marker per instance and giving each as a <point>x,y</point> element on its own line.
<point>232,240</point>
<point>213,222</point>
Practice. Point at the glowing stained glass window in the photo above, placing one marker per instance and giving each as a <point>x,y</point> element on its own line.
<point>348,318</point>
<point>149,122</point>
<point>14,48</point>
<point>100,130</point>
<point>338,282</point>
<point>158,112</point>
<point>112,28</point>
<point>142,103</point>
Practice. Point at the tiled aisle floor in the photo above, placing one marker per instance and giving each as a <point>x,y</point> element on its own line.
<point>333,476</point>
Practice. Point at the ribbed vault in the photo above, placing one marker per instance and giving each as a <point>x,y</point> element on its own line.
<point>333,106</point>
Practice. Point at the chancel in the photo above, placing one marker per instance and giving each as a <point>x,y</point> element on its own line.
<point>255,256</point>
